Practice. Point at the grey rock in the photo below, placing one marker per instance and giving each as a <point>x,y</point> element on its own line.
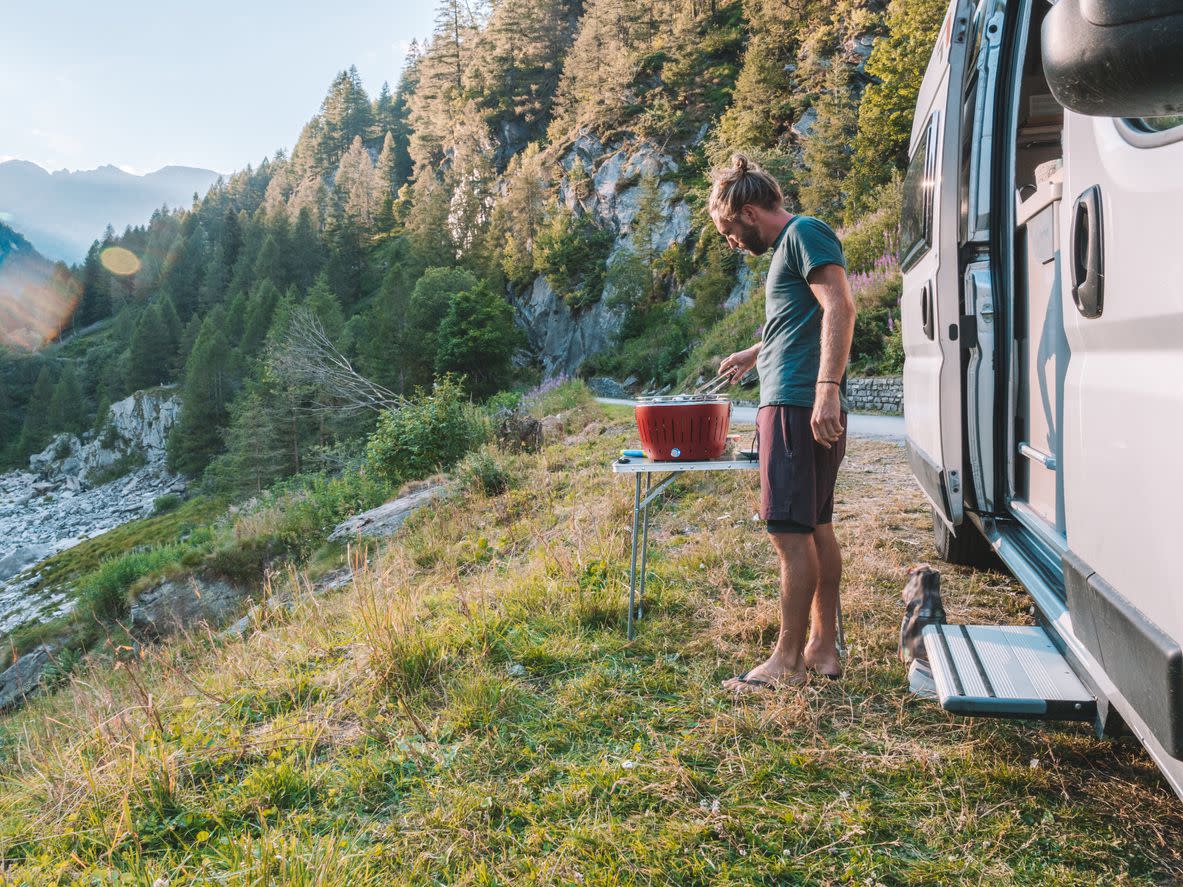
<point>804,124</point>
<point>561,337</point>
<point>184,603</point>
<point>387,518</point>
<point>742,289</point>
<point>604,387</point>
<point>17,559</point>
<point>21,678</point>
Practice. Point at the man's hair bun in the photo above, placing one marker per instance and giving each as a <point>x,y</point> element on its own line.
<point>741,184</point>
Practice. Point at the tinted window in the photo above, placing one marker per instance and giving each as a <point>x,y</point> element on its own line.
<point>916,213</point>
<point>1157,124</point>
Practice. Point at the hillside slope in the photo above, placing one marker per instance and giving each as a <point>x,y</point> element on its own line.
<point>468,711</point>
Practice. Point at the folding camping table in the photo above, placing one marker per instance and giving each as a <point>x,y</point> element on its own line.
<point>645,491</point>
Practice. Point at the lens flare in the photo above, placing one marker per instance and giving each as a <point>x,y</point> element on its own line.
<point>36,300</point>
<point>120,261</point>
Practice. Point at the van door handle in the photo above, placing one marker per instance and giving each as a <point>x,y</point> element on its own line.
<point>927,315</point>
<point>1088,254</point>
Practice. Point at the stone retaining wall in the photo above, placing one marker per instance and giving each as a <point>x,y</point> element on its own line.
<point>879,394</point>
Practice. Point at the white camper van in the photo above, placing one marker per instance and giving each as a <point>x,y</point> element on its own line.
<point>1043,331</point>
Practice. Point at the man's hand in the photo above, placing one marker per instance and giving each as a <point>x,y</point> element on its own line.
<point>737,365</point>
<point>827,415</point>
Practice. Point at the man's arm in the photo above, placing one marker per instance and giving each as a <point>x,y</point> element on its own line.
<point>736,365</point>
<point>832,292</point>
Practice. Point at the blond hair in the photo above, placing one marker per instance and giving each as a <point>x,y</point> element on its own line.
<point>743,182</point>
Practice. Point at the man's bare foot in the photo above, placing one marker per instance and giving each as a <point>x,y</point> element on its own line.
<point>822,660</point>
<point>770,675</point>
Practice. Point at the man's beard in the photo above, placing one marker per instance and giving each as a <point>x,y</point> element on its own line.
<point>749,237</point>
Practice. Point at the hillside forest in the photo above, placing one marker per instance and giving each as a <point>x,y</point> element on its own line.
<point>405,231</point>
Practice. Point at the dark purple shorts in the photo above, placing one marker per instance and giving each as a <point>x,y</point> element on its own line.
<point>797,474</point>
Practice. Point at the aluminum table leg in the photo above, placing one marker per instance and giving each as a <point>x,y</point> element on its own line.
<point>632,571</point>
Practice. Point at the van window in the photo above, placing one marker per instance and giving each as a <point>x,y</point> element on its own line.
<point>1157,124</point>
<point>916,212</point>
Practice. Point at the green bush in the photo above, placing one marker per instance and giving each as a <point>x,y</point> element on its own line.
<point>166,503</point>
<point>426,434</point>
<point>570,252</point>
<point>103,593</point>
<point>875,234</point>
<point>123,465</point>
<point>485,472</point>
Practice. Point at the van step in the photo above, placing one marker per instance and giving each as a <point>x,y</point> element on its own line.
<point>1005,671</point>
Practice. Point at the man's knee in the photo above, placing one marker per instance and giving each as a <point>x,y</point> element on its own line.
<point>792,546</point>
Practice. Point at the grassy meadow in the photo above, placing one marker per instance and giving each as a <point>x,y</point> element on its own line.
<point>469,712</point>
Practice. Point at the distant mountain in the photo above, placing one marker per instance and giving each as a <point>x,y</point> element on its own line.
<point>63,212</point>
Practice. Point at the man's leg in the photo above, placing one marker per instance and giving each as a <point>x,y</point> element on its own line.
<point>798,583</point>
<point>821,653</point>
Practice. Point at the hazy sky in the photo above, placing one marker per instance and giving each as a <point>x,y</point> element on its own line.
<point>210,83</point>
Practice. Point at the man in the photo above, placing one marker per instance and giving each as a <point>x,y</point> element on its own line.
<point>801,422</point>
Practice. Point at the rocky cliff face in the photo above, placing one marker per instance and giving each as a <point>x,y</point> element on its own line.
<point>561,337</point>
<point>70,492</point>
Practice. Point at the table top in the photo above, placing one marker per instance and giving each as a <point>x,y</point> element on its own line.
<point>645,466</point>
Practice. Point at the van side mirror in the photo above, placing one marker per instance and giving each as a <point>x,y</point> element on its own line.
<point>1115,58</point>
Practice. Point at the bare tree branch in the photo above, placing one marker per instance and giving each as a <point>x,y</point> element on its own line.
<point>307,356</point>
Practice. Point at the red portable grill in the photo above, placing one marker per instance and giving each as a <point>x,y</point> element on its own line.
<point>684,427</point>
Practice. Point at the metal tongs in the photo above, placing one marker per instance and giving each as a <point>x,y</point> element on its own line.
<point>715,386</point>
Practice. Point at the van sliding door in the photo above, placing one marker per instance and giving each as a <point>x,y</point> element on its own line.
<point>930,304</point>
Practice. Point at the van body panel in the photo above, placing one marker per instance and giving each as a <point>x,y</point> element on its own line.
<point>930,302</point>
<point>1123,411</point>
<point>1069,317</point>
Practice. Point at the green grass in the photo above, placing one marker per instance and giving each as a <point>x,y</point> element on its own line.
<point>468,711</point>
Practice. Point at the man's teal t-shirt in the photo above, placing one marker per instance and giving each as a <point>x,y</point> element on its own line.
<point>791,354</point>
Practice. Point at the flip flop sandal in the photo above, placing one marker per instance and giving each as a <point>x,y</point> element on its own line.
<point>753,682</point>
<point>824,674</point>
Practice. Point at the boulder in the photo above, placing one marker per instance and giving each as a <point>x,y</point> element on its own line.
<point>517,431</point>
<point>182,603</point>
<point>387,518</point>
<point>22,556</point>
<point>21,678</point>
<point>562,337</point>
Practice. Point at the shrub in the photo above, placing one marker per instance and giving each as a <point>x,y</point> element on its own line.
<point>426,434</point>
<point>570,252</point>
<point>103,594</point>
<point>485,472</point>
<point>876,233</point>
<point>166,503</point>
<point>123,465</point>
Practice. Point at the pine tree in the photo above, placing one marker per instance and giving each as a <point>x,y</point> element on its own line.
<point>305,255</point>
<point>205,393</point>
<point>259,312</point>
<point>65,406</point>
<point>429,305</point>
<point>344,115</point>
<point>327,308</point>
<point>36,431</point>
<point>477,338</point>
<point>356,187</point>
<point>95,302</point>
<point>827,148</point>
<point>151,350</point>
<point>885,114</point>
<point>255,456</point>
